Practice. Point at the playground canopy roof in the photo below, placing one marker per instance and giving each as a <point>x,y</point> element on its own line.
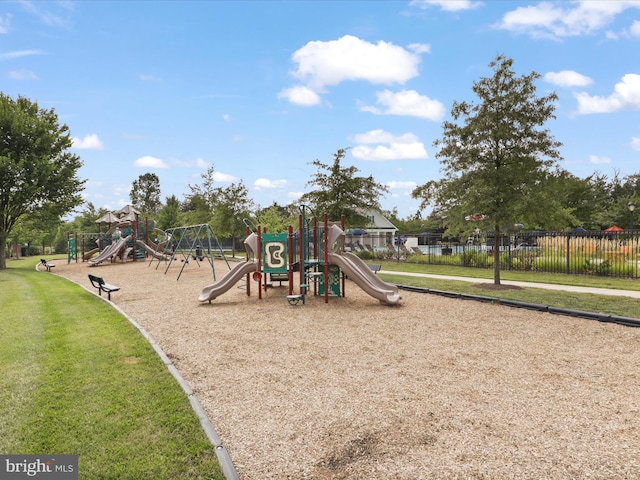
<point>108,218</point>
<point>127,210</point>
<point>131,217</point>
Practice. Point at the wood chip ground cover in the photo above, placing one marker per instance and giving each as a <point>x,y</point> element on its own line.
<point>434,388</point>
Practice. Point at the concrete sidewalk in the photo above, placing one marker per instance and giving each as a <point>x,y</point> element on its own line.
<point>547,286</point>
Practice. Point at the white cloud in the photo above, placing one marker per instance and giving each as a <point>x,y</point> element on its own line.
<point>563,19</point>
<point>403,147</point>
<point>634,30</point>
<point>121,189</point>
<point>396,185</point>
<point>635,143</point>
<point>226,117</point>
<point>420,47</point>
<point>224,177</point>
<point>350,58</point>
<point>595,160</point>
<point>261,183</point>
<point>19,54</point>
<point>447,5</point>
<point>4,23</point>
<point>197,163</point>
<point>22,75</point>
<point>407,103</point>
<point>53,14</point>
<point>89,142</point>
<point>382,136</point>
<point>149,78</point>
<point>568,78</point>
<point>295,195</point>
<point>300,95</point>
<point>626,94</point>
<point>150,162</point>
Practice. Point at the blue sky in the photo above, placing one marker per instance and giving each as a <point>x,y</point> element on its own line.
<point>259,89</point>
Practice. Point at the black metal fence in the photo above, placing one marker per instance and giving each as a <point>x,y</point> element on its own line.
<point>613,254</point>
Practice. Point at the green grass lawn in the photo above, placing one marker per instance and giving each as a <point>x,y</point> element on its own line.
<point>78,378</point>
<point>553,278</point>
<point>611,305</point>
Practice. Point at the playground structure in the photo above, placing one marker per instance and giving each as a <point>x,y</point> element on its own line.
<point>313,255</point>
<point>188,243</point>
<point>125,237</point>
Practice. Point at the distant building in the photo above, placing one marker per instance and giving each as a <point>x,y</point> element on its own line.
<point>378,230</point>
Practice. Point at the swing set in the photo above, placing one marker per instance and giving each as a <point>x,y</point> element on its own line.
<point>191,243</point>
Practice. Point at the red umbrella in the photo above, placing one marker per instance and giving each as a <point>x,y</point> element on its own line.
<point>615,228</point>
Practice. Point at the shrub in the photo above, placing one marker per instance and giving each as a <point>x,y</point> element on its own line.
<point>474,258</point>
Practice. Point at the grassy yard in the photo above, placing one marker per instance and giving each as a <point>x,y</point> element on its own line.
<point>78,378</point>
<point>553,278</point>
<point>622,306</point>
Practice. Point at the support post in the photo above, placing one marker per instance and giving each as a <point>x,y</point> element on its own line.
<point>259,254</point>
<point>291,257</point>
<point>325,241</point>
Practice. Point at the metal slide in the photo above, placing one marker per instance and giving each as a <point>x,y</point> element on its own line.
<point>361,274</point>
<point>154,253</point>
<point>370,274</point>
<point>232,277</point>
<point>111,251</point>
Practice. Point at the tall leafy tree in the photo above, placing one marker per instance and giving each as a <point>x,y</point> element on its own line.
<point>196,210</point>
<point>37,171</point>
<point>169,215</point>
<point>496,156</point>
<point>231,207</point>
<point>339,191</point>
<point>207,190</point>
<point>145,193</point>
<point>276,218</point>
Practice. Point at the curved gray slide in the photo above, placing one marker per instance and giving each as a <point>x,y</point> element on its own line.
<point>371,276</point>
<point>154,253</point>
<point>361,274</point>
<point>111,251</point>
<point>232,277</point>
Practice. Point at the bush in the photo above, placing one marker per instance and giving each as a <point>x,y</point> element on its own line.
<point>551,264</point>
<point>474,258</point>
<point>365,255</point>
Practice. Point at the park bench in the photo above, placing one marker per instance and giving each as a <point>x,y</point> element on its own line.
<point>375,267</point>
<point>102,286</point>
<point>46,264</point>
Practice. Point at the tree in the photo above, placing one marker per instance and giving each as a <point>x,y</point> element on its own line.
<point>37,172</point>
<point>145,193</point>
<point>207,191</point>
<point>276,218</point>
<point>497,160</point>
<point>169,215</point>
<point>340,192</point>
<point>231,207</point>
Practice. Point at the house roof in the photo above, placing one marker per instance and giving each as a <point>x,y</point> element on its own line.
<point>377,221</point>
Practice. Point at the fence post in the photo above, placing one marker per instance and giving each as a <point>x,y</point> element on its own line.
<point>568,253</point>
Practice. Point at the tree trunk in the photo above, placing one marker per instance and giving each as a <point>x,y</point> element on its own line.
<point>3,250</point>
<point>496,255</point>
